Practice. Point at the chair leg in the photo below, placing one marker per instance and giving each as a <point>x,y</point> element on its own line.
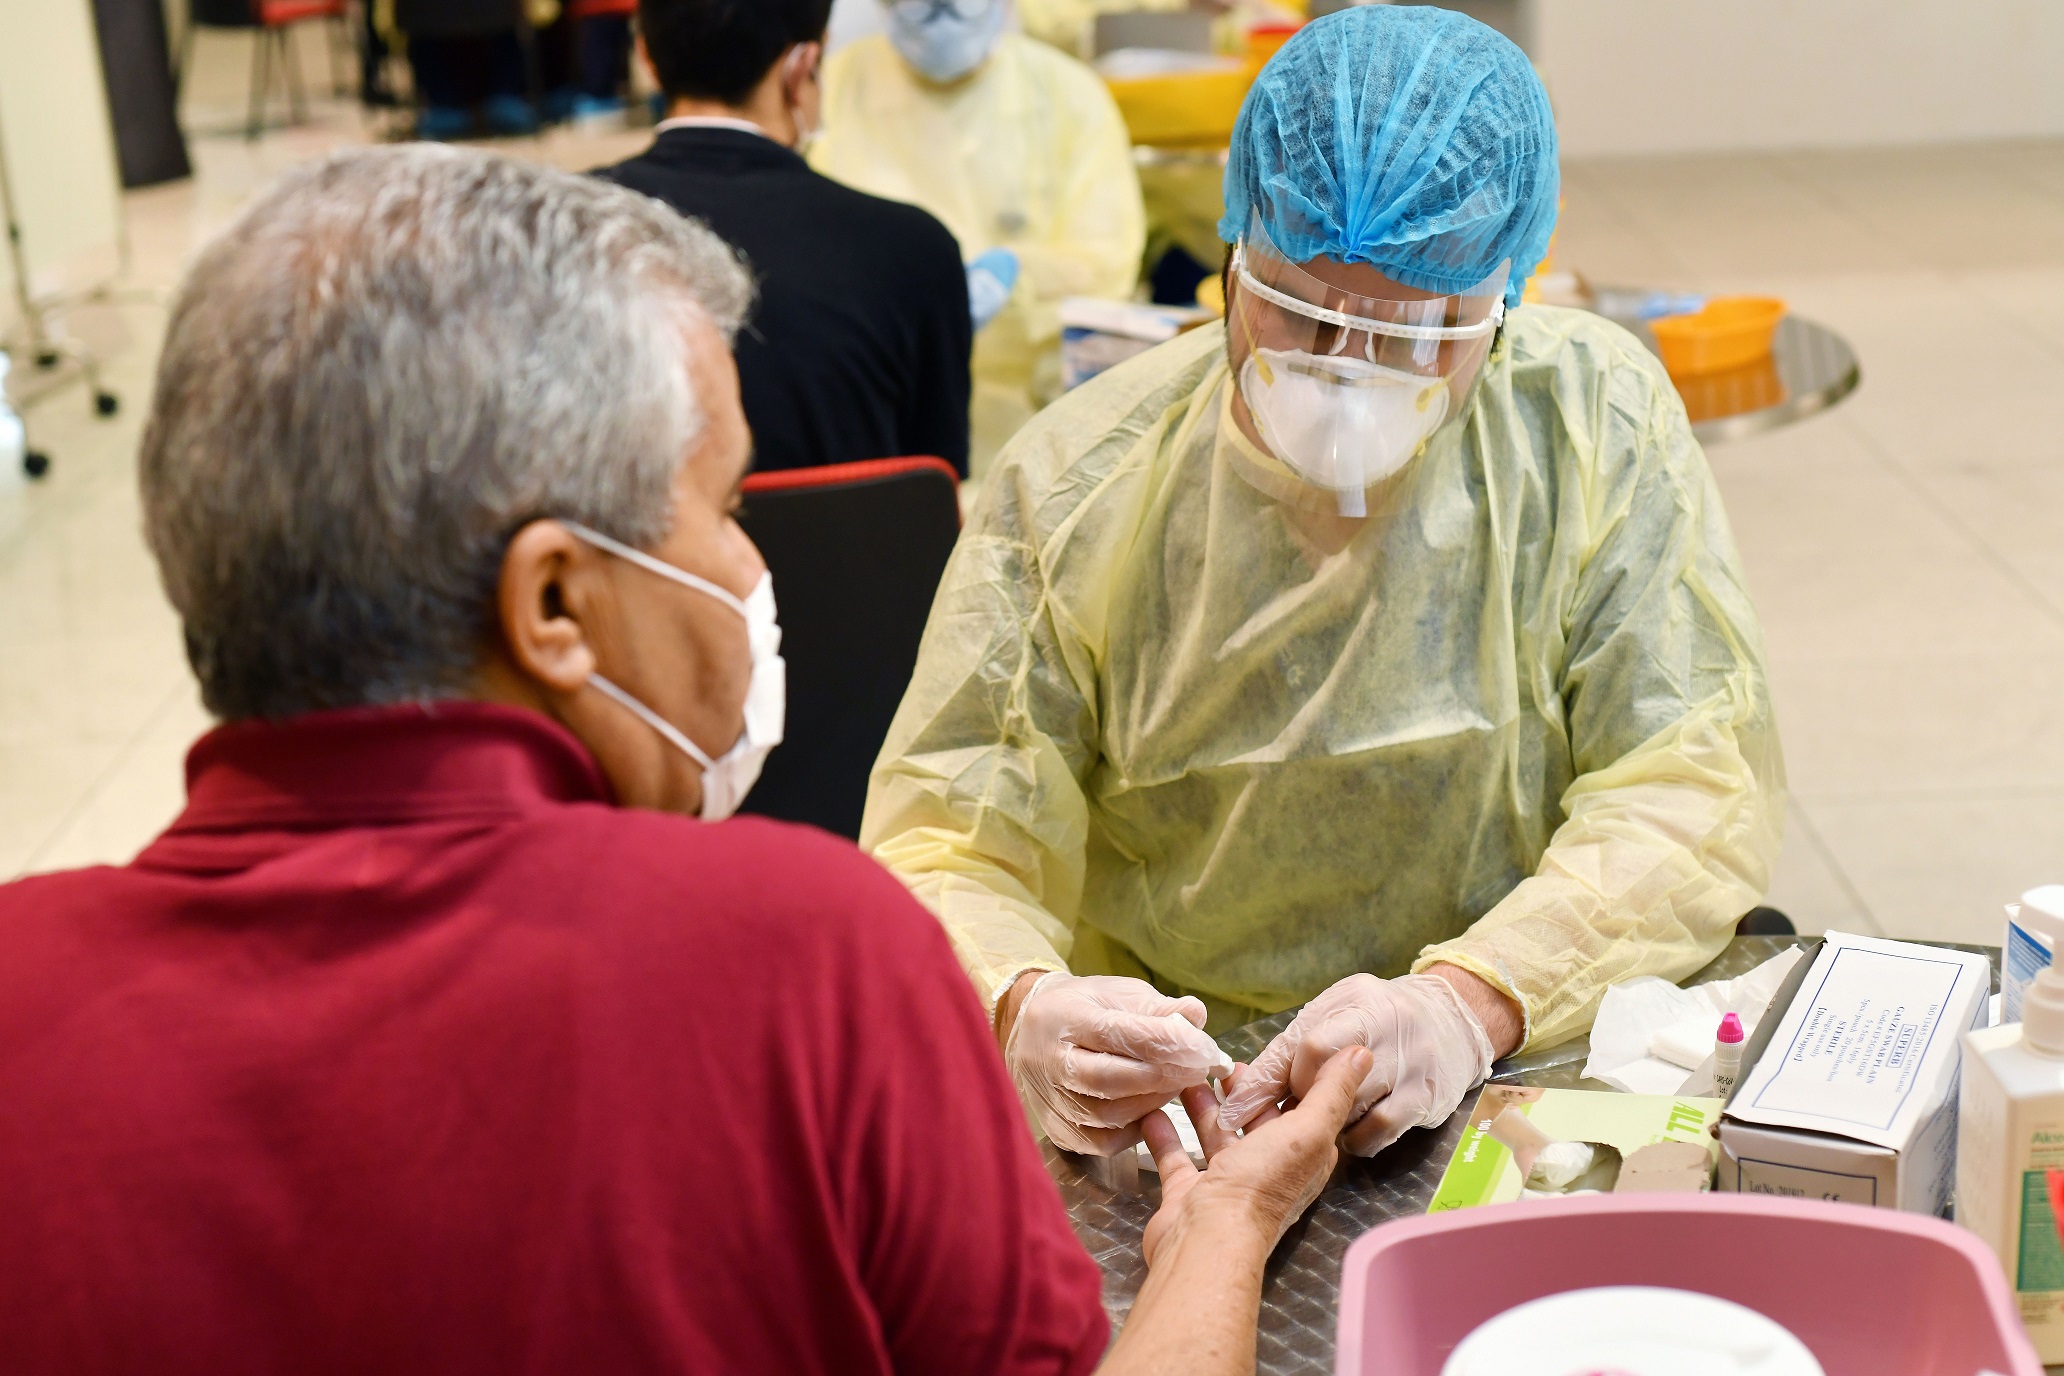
<point>290,59</point>
<point>340,30</point>
<point>533,68</point>
<point>261,78</point>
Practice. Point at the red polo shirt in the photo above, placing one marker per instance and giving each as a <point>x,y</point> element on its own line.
<point>404,1051</point>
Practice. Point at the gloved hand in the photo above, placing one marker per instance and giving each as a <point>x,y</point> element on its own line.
<point>1094,1054</point>
<point>990,279</point>
<point>1430,1051</point>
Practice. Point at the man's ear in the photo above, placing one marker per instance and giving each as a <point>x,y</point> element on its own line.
<point>800,65</point>
<point>546,593</point>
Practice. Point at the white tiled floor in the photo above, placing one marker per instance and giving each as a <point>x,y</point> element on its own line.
<point>1906,550</point>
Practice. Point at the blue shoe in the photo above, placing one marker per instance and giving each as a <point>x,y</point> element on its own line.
<point>561,105</point>
<point>509,116</point>
<point>443,122</point>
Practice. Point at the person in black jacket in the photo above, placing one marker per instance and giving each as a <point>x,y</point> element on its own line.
<point>858,348</point>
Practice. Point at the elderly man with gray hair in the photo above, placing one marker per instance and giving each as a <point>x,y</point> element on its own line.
<point>451,1028</point>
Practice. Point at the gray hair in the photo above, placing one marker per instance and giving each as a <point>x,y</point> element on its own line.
<point>389,364</point>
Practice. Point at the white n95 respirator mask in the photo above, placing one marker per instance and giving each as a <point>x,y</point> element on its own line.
<point>1345,389</point>
<point>1343,424</point>
<point>945,39</point>
<point>727,778</point>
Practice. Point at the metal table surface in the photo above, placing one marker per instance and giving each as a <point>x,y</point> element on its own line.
<point>1808,370</point>
<point>1301,1291</point>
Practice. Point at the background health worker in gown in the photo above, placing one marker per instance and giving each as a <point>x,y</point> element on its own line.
<point>1385,651</point>
<point>1020,151</point>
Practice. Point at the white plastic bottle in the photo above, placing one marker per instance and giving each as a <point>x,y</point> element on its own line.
<point>2010,1134</point>
<point>2035,928</point>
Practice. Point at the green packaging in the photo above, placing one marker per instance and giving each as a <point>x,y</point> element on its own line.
<point>1640,1142</point>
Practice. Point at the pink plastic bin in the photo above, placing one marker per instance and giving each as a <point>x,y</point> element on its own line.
<point>1873,1292</point>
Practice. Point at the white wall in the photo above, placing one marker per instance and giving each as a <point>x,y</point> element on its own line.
<point>1667,76</point>
<point>851,19</point>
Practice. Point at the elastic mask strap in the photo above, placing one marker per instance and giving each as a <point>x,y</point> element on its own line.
<point>1345,321</point>
<point>658,566</point>
<point>651,719</point>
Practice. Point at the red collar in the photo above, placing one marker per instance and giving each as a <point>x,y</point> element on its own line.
<point>376,766</point>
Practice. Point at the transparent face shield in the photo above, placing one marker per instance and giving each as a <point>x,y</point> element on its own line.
<point>1345,388</point>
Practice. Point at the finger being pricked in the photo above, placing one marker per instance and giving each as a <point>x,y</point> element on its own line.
<point>1202,1105</point>
<point>1171,1158</point>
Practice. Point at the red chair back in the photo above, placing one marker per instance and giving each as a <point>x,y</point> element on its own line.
<point>274,13</point>
<point>856,551</point>
<point>601,9</point>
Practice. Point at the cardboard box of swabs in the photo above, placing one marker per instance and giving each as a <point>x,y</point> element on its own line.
<point>1852,1093</point>
<point>1526,1143</point>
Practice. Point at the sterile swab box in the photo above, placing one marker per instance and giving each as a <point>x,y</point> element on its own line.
<point>1873,1292</point>
<point>1854,1095</point>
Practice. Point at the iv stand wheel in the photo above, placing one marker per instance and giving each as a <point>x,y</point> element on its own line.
<point>36,463</point>
<point>106,403</point>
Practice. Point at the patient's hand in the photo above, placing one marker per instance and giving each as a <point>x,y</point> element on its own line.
<point>1262,1181</point>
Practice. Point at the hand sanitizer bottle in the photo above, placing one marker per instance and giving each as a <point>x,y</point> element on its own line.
<point>2010,1135</point>
<point>2035,926</point>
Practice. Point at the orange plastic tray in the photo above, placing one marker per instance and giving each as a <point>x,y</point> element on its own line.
<point>1731,332</point>
<point>1183,109</point>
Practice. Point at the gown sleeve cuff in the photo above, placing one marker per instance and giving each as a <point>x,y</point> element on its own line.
<point>1453,954</point>
<point>993,992</point>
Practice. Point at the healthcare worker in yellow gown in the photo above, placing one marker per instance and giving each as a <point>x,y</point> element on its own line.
<point>1385,651</point>
<point>1020,151</point>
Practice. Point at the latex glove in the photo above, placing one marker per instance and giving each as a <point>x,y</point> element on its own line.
<point>990,279</point>
<point>1094,1054</point>
<point>1430,1051</point>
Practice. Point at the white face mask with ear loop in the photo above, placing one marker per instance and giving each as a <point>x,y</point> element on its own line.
<point>729,777</point>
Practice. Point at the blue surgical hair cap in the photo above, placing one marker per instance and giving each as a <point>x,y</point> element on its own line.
<point>1404,136</point>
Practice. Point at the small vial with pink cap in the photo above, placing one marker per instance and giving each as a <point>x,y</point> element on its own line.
<point>1727,1049</point>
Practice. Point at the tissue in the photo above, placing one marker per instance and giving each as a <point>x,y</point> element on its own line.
<point>1638,1015</point>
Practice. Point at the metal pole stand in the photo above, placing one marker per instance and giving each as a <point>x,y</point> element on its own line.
<point>53,359</point>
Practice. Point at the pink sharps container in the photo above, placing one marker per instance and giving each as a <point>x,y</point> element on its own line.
<point>1872,1292</point>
